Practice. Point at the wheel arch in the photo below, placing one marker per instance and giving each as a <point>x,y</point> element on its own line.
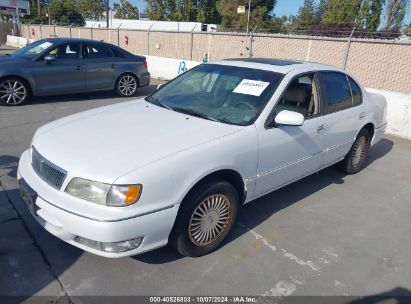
<point>29,85</point>
<point>230,175</point>
<point>127,73</point>
<point>370,128</point>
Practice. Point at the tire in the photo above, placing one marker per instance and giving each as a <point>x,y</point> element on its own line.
<point>354,160</point>
<point>126,85</point>
<point>195,232</point>
<point>14,91</point>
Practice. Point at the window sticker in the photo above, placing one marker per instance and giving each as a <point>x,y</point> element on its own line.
<point>251,87</point>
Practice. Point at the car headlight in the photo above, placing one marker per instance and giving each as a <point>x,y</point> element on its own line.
<point>104,194</point>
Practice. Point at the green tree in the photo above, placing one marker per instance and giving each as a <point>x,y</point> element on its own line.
<point>395,13</point>
<point>125,10</point>
<point>337,11</point>
<point>373,16</point>
<point>92,9</point>
<point>66,12</point>
<point>204,11</point>
<point>408,30</point>
<point>306,15</point>
<point>260,13</point>
<point>364,14</point>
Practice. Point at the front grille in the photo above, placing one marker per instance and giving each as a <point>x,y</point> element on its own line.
<point>49,172</point>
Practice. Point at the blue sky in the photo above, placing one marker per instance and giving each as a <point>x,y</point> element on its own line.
<point>284,7</point>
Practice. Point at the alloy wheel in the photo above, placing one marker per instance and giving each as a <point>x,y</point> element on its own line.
<point>127,85</point>
<point>12,92</point>
<point>210,219</point>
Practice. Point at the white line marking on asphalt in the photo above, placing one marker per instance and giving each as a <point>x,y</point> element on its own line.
<point>308,263</point>
<point>283,288</point>
<point>288,255</point>
<point>259,237</point>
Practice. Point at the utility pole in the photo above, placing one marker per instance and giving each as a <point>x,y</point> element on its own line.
<point>248,24</point>
<point>108,13</point>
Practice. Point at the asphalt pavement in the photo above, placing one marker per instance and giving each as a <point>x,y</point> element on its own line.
<point>326,235</point>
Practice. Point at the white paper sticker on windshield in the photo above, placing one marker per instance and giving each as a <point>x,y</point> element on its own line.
<point>251,87</point>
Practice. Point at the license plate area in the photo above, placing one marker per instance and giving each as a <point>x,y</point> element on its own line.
<point>28,195</point>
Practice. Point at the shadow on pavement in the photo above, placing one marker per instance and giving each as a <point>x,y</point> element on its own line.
<point>10,164</point>
<point>397,295</point>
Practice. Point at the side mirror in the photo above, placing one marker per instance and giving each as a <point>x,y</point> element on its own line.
<point>49,58</point>
<point>289,118</point>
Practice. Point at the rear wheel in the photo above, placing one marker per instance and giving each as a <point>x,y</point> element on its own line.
<point>354,160</point>
<point>13,91</point>
<point>126,85</point>
<point>206,218</point>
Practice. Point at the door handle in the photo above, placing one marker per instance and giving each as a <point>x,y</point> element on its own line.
<point>78,68</point>
<point>113,66</point>
<point>362,115</point>
<point>321,128</point>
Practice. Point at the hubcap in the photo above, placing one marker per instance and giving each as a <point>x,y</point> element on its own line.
<point>359,151</point>
<point>127,85</point>
<point>210,219</point>
<point>12,92</point>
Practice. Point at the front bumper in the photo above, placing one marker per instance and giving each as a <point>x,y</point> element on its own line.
<point>154,227</point>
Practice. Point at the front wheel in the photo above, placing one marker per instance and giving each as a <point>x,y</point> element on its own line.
<point>206,218</point>
<point>126,85</point>
<point>13,91</point>
<point>355,159</point>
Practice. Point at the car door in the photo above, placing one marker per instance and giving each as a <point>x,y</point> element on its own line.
<point>99,65</point>
<point>63,75</point>
<point>287,153</point>
<point>344,114</point>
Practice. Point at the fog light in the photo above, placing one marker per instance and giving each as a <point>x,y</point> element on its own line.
<point>112,247</point>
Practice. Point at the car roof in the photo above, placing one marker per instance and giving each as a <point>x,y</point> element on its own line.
<point>64,40</point>
<point>282,66</point>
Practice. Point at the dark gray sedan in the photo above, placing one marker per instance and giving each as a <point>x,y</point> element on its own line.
<point>65,65</point>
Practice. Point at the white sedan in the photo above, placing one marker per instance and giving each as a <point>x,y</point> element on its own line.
<point>177,166</point>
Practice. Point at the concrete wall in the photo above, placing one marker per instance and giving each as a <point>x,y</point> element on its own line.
<point>380,64</point>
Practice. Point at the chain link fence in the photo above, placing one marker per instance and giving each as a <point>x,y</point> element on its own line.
<point>382,64</point>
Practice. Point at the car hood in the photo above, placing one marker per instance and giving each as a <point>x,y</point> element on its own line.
<point>7,60</point>
<point>106,143</point>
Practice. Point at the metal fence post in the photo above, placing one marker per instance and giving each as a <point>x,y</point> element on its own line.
<point>70,30</point>
<point>118,34</point>
<point>347,50</point>
<point>41,31</point>
<point>191,42</point>
<point>250,43</point>
<point>54,31</point>
<point>148,39</point>
<point>91,32</point>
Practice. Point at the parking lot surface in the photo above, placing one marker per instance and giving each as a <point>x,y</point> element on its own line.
<point>328,234</point>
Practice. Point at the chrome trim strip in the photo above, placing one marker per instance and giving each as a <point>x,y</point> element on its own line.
<point>289,164</point>
<point>107,221</point>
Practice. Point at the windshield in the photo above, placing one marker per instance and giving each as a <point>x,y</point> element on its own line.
<point>228,94</point>
<point>33,49</point>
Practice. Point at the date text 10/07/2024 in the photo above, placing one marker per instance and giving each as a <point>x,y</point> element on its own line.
<point>204,299</point>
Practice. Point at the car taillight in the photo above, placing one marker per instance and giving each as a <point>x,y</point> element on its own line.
<point>145,64</point>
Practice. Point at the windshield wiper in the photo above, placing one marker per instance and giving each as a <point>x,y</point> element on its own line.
<point>190,112</point>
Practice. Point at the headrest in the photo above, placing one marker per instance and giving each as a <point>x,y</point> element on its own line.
<point>295,94</point>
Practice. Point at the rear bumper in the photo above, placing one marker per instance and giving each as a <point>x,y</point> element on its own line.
<point>144,79</point>
<point>68,226</point>
<point>378,133</point>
